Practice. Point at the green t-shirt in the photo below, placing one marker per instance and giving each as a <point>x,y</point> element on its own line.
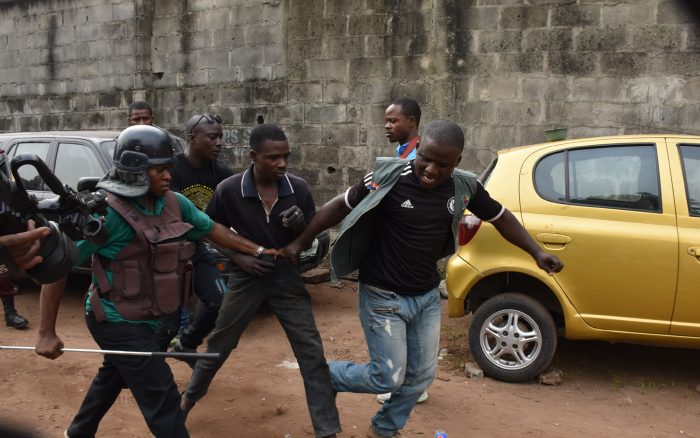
<point>121,234</point>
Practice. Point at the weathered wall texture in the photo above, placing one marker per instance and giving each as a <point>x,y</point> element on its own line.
<point>506,70</point>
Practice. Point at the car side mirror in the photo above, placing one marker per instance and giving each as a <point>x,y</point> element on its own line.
<point>88,183</point>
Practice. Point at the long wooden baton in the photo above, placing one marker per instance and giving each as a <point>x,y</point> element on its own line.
<point>127,353</point>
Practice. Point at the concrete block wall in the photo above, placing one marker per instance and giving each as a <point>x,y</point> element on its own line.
<point>506,70</point>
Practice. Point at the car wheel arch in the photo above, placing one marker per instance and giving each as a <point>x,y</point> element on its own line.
<point>506,282</point>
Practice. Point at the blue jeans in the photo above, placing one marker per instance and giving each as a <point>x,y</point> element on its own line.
<point>403,337</point>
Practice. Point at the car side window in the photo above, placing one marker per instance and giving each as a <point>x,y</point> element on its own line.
<point>29,176</point>
<point>75,161</point>
<point>690,157</point>
<point>624,177</point>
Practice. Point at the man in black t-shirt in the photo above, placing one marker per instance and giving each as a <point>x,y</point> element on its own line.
<point>196,173</point>
<point>270,204</point>
<point>401,220</point>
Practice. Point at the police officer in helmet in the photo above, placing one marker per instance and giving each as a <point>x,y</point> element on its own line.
<point>140,273</point>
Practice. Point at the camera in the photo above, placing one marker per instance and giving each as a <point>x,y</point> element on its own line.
<point>69,216</point>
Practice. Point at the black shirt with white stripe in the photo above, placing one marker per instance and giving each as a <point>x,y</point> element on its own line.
<point>411,227</point>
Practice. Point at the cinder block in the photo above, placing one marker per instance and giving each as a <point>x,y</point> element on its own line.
<point>98,14</point>
<point>657,89</point>
<point>340,134</point>
<point>246,56</point>
<point>575,15</point>
<point>655,38</point>
<point>287,114</point>
<point>249,73</point>
<point>109,100</point>
<point>213,59</point>
<point>566,63</point>
<point>470,113</point>
<point>623,14</point>
<point>624,63</point>
<point>204,97</point>
<point>309,92</point>
<point>314,113</point>
<point>270,92</point>
<point>328,26</point>
<point>28,123</point>
<point>123,11</point>
<point>236,94</point>
<point>213,19</point>
<point>87,32</point>
<point>305,8</point>
<point>249,114</point>
<point>114,30</point>
<point>522,17</point>
<point>320,155</point>
<point>370,68</point>
<point>274,54</point>
<point>495,89</point>
<point>345,47</point>
<point>368,24</point>
<point>548,40</point>
<point>304,134</point>
<point>327,68</point>
<point>690,91</point>
<point>605,89</point>
<point>518,113</point>
<point>601,39</point>
<point>263,34</point>
<point>499,41</point>
<point>531,62</point>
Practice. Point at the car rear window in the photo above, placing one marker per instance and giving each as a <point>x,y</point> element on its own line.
<point>620,176</point>
<point>690,156</point>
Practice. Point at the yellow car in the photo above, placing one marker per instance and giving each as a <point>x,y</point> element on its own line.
<point>623,215</point>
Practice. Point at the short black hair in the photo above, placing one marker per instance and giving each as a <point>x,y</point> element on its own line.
<point>263,132</point>
<point>444,133</point>
<point>409,107</point>
<point>140,105</point>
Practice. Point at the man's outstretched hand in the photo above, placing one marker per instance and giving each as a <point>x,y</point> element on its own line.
<point>548,262</point>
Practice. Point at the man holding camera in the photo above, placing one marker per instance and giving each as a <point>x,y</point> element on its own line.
<point>140,273</point>
<point>270,206</point>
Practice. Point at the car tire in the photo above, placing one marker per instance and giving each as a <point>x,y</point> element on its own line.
<point>514,354</point>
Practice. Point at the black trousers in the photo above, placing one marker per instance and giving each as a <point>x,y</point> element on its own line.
<point>149,379</point>
<point>284,290</point>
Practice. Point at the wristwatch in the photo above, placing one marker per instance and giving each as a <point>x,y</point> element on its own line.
<point>259,251</point>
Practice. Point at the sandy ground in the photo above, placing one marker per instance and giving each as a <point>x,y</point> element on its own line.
<point>608,390</point>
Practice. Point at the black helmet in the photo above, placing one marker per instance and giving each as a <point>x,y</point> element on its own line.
<point>138,148</point>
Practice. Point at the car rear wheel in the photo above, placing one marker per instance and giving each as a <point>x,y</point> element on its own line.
<point>512,337</point>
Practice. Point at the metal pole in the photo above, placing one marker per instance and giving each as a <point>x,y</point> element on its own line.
<point>127,353</point>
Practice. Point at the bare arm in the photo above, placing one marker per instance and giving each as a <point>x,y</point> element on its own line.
<point>326,217</point>
<point>24,247</point>
<point>222,236</point>
<point>509,227</point>
<point>49,344</point>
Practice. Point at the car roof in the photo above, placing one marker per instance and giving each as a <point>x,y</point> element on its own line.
<point>593,140</point>
<point>95,135</point>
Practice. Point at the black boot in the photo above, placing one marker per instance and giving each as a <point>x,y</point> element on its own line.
<point>12,318</point>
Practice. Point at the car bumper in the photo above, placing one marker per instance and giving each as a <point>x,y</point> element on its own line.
<point>460,278</point>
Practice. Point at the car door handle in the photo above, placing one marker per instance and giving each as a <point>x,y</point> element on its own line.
<point>694,251</point>
<point>553,239</point>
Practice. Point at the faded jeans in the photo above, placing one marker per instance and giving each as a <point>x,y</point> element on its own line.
<point>403,336</point>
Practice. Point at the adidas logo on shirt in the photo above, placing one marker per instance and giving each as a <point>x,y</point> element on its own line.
<point>407,204</point>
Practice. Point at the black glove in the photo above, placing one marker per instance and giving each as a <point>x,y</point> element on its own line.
<point>253,265</point>
<point>292,217</point>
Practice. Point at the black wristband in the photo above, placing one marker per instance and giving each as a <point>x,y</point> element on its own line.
<point>7,263</point>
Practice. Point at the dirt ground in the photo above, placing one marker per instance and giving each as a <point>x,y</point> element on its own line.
<point>608,390</point>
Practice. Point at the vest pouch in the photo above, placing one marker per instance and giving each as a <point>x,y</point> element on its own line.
<point>165,258</point>
<point>131,276</point>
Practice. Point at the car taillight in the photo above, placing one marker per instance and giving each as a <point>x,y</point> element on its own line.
<point>468,226</point>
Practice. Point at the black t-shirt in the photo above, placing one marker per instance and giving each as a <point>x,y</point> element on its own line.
<point>236,204</point>
<point>197,185</point>
<point>411,227</point>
